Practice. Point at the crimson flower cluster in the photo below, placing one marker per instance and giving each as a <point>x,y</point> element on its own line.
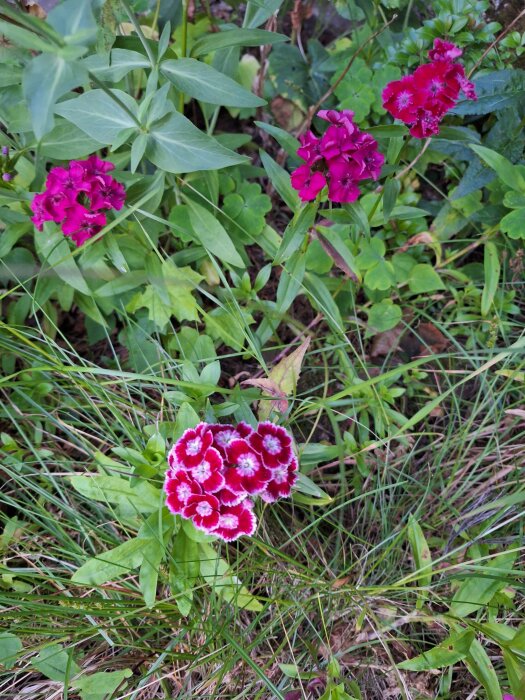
<point>76,198</point>
<point>215,471</point>
<point>342,157</point>
<point>422,99</point>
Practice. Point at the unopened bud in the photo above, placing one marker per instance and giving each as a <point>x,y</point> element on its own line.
<point>5,150</point>
<point>6,177</point>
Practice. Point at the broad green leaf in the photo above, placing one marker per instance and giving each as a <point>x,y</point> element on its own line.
<point>10,644</point>
<point>515,672</point>
<point>477,590</point>
<point>496,91</point>
<point>42,94</point>
<point>53,663</point>
<point>216,573</point>
<point>384,315</point>
<point>507,172</point>
<point>54,249</point>
<point>513,224</point>
<point>66,141</point>
<point>114,563</point>
<point>453,649</point>
<point>100,116</point>
<point>423,278</point>
<point>358,217</point>
<point>381,276</point>
<point>186,418</point>
<point>74,21</point>
<point>283,138</point>
<point>479,664</point>
<point>421,555</point>
<point>491,266</point>
<point>235,37</point>
<point>121,284</point>
<point>101,685</point>
<point>305,486</point>
<point>24,38</point>
<point>116,65</point>
<point>210,233</point>
<point>290,281</point>
<point>143,497</point>
<point>295,232</point>
<point>149,572</point>
<point>176,145</point>
<point>280,179</point>
<point>258,11</point>
<point>201,81</point>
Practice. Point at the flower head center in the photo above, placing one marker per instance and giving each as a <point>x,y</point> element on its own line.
<point>272,444</point>
<point>183,492</point>
<point>193,447</point>
<point>202,472</point>
<point>230,522</point>
<point>204,509</point>
<point>247,464</point>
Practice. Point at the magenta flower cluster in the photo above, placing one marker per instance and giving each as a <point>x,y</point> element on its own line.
<point>342,157</point>
<point>76,198</point>
<point>215,471</point>
<point>422,99</point>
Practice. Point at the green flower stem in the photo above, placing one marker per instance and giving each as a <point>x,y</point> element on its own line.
<point>183,45</point>
<point>140,33</point>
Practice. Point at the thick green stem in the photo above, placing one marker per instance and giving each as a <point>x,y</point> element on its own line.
<point>140,33</point>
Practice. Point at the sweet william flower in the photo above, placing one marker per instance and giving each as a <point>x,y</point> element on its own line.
<point>81,225</point>
<point>189,451</point>
<point>203,510</point>
<point>272,443</point>
<point>343,178</point>
<point>444,51</point>
<point>307,182</point>
<point>247,474</point>
<point>208,473</point>
<point>179,486</point>
<point>280,485</point>
<point>236,521</point>
<point>310,150</point>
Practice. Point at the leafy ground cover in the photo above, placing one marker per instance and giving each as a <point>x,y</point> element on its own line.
<point>304,213</point>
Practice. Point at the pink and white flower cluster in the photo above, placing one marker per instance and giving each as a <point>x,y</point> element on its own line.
<point>215,471</point>
<point>76,198</point>
<point>342,157</point>
<point>422,99</point>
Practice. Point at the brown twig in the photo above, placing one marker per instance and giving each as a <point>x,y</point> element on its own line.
<point>412,163</point>
<point>496,41</point>
<point>310,115</point>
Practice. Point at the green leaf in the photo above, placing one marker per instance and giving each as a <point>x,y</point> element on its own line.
<point>74,21</point>
<point>513,224</point>
<point>210,233</point>
<point>98,115</point>
<point>453,649</point>
<point>280,179</point>
<point>384,316</point>
<point>283,138</point>
<point>199,80</point>
<point>496,91</point>
<point>101,685</point>
<point>142,497</point>
<point>480,666</point>
<point>390,193</point>
<point>114,563</point>
<point>510,174</point>
<point>295,232</point>
<point>42,94</point>
<point>216,573</point>
<point>176,145</point>
<point>24,38</point>
<point>307,487</point>
<point>54,249</point>
<point>121,284</point>
<point>381,276</point>
<point>10,644</point>
<point>371,253</point>
<point>116,65</point>
<point>491,266</point>
<point>235,37</point>
<point>53,663</point>
<point>258,11</point>
<point>423,278</point>
<point>422,558</point>
<point>290,281</point>
<point>477,590</point>
<point>66,141</point>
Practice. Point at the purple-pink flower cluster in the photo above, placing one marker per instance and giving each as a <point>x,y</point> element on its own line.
<point>215,471</point>
<point>422,99</point>
<point>76,198</point>
<point>342,157</point>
